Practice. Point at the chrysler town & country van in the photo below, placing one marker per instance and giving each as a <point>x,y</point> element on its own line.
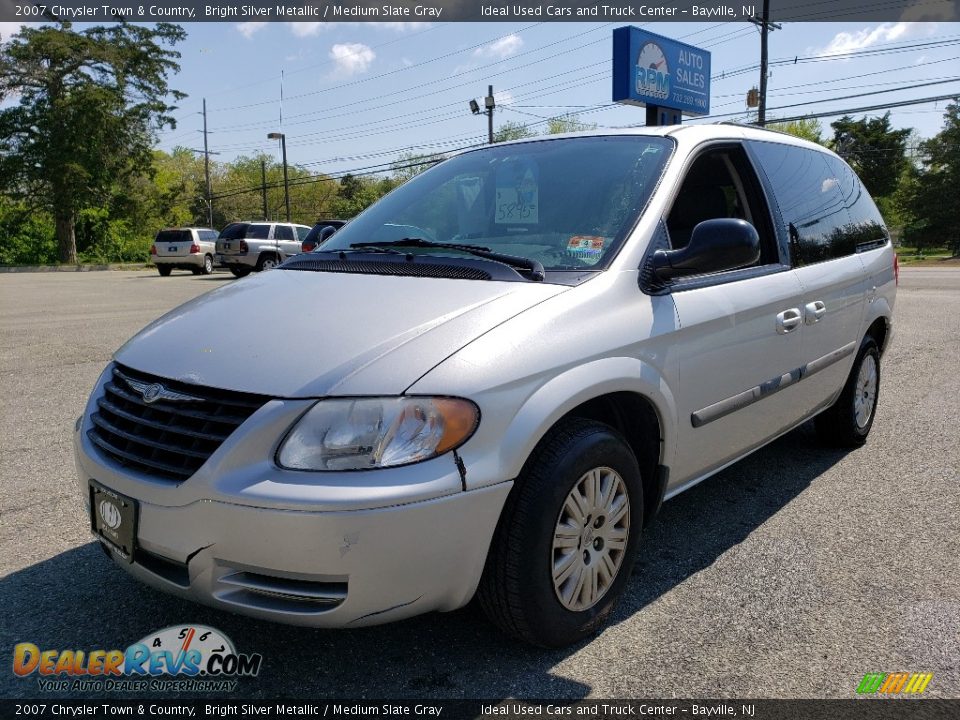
<point>489,381</point>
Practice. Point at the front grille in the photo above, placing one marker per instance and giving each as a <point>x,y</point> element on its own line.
<point>279,594</point>
<point>172,436</point>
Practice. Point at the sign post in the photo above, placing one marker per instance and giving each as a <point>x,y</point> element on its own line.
<point>668,77</point>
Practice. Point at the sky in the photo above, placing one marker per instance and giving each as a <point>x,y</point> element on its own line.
<point>358,95</point>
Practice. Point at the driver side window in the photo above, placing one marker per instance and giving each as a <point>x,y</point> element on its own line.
<point>721,184</point>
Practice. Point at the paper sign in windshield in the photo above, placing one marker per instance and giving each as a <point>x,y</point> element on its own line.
<point>518,193</point>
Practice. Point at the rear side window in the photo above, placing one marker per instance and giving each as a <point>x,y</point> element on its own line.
<point>866,227</point>
<point>257,232</point>
<point>283,232</point>
<point>208,235</point>
<point>302,233</point>
<point>234,231</point>
<point>808,193</point>
<point>172,236</point>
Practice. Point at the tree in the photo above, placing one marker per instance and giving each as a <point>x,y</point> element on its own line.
<point>875,150</point>
<point>410,164</point>
<point>88,106</point>
<point>808,129</point>
<point>512,131</point>
<point>930,193</point>
<point>568,123</point>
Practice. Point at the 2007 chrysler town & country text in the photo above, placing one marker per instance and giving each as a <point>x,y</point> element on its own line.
<point>490,380</point>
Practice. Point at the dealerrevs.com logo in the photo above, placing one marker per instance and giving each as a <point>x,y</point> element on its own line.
<point>178,658</point>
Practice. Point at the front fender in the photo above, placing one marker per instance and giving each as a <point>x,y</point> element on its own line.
<point>504,443</point>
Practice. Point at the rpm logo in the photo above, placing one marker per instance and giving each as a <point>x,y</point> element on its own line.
<point>653,73</point>
<point>110,514</point>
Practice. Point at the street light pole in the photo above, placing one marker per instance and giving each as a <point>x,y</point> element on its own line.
<point>286,183</point>
<point>489,104</point>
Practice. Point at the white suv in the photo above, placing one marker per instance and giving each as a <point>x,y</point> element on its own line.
<point>489,381</point>
<point>185,249</point>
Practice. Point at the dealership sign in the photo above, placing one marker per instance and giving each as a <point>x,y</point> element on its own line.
<point>649,69</point>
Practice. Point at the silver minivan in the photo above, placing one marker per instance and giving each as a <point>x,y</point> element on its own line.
<point>489,381</point>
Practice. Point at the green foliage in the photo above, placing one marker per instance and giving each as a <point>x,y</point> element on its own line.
<point>26,237</point>
<point>808,129</point>
<point>102,239</point>
<point>928,195</point>
<point>875,151</point>
<point>568,123</point>
<point>87,106</point>
<point>512,131</point>
<point>410,164</point>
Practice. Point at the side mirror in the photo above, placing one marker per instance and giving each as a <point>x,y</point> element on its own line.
<point>715,245</point>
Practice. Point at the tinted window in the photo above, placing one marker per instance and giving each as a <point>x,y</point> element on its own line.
<point>234,231</point>
<point>172,236</point>
<point>302,233</point>
<point>283,232</point>
<point>257,232</point>
<point>865,226</point>
<point>808,194</point>
<point>208,235</point>
<point>568,203</point>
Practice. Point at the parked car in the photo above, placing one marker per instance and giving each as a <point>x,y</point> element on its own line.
<point>489,381</point>
<point>185,249</point>
<point>245,247</point>
<point>319,233</point>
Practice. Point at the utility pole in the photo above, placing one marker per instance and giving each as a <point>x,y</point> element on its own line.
<point>263,186</point>
<point>764,24</point>
<point>489,104</point>
<point>206,166</point>
<point>286,183</point>
<point>488,101</point>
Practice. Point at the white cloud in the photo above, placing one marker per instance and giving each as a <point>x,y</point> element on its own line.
<point>501,48</point>
<point>307,29</point>
<point>860,39</point>
<point>247,29</point>
<point>352,58</point>
<point>9,29</point>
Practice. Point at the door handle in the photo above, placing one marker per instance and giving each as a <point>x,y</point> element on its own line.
<point>812,312</point>
<point>788,320</point>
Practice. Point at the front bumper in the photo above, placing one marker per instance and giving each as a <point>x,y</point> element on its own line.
<point>317,549</point>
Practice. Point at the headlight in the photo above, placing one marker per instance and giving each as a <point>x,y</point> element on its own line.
<point>366,433</point>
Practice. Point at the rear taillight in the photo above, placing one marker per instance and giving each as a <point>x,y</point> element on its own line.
<point>194,248</point>
<point>243,246</point>
<point>153,249</point>
<point>896,269</point>
<point>307,246</point>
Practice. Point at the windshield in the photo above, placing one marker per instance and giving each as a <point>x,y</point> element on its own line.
<point>566,203</point>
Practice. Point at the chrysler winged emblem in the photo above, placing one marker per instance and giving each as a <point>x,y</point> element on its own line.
<point>152,392</point>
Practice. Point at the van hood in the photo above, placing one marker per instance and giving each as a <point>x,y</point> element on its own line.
<point>288,333</point>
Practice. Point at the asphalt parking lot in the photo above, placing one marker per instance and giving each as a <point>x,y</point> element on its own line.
<point>790,574</point>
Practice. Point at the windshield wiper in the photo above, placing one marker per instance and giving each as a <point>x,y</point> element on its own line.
<point>532,267</point>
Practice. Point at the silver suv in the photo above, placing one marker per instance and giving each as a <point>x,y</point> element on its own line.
<point>184,248</point>
<point>245,247</point>
<point>489,381</point>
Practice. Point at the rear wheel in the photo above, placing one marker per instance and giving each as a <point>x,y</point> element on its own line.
<point>207,265</point>
<point>847,422</point>
<point>566,541</point>
<point>164,270</point>
<point>240,272</point>
<point>267,262</point>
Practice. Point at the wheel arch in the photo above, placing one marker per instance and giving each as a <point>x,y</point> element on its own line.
<point>627,394</point>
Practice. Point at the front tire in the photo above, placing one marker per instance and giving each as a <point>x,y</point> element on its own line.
<point>847,422</point>
<point>240,272</point>
<point>164,270</point>
<point>566,542</point>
